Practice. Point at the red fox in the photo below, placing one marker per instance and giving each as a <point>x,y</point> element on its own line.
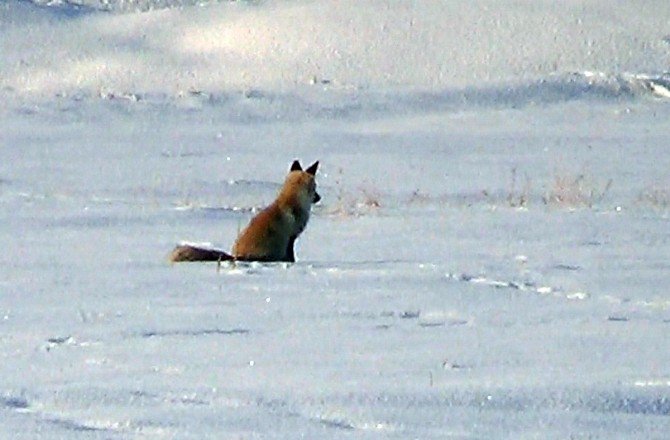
<point>271,234</point>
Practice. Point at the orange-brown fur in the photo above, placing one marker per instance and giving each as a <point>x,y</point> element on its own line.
<point>271,234</point>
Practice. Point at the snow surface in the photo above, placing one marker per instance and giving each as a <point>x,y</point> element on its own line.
<point>491,257</point>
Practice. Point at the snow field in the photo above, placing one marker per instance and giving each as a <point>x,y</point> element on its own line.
<point>489,259</point>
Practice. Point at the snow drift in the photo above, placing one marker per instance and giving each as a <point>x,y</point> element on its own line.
<point>429,45</point>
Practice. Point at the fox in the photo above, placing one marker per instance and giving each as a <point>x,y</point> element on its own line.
<point>270,236</point>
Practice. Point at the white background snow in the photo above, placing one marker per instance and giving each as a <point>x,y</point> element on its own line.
<point>491,257</point>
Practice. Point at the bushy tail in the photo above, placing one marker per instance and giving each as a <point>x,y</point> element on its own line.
<point>187,252</point>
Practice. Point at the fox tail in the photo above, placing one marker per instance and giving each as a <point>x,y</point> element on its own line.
<point>190,252</point>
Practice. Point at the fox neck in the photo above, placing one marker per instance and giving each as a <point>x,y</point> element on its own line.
<point>292,201</point>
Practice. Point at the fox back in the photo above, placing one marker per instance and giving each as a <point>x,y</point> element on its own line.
<point>271,234</point>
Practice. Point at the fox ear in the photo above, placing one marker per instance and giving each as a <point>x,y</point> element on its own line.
<point>312,168</point>
<point>295,166</point>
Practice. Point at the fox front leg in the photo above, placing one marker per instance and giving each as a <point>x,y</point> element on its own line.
<point>290,253</point>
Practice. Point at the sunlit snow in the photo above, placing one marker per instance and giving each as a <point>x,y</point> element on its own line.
<point>490,258</point>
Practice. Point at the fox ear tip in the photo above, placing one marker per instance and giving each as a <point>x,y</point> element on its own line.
<point>295,166</point>
<point>312,168</point>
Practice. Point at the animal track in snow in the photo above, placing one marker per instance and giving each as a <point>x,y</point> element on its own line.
<point>523,286</point>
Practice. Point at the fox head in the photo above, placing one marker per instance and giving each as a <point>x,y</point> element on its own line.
<point>300,186</point>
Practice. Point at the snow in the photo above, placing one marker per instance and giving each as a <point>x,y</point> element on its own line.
<point>277,45</point>
<point>489,259</point>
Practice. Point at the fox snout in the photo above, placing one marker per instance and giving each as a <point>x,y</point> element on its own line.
<point>317,198</point>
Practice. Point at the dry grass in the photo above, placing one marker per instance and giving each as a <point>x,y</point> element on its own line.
<point>655,197</point>
<point>575,191</point>
<point>563,190</point>
<point>519,195</point>
<point>356,202</point>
